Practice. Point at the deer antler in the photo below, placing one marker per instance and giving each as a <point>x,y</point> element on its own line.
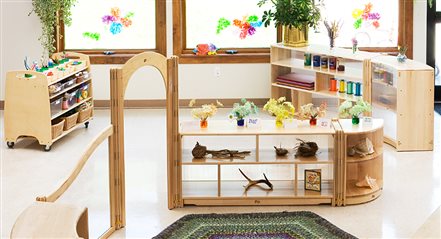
<point>255,182</point>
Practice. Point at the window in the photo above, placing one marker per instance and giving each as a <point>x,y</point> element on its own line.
<point>377,25</point>
<point>124,27</point>
<point>228,24</point>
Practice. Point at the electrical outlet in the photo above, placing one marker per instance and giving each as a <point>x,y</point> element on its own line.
<point>217,72</point>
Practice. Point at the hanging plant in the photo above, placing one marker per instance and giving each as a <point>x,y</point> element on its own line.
<point>47,11</point>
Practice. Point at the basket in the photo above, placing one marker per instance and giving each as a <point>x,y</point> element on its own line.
<point>84,114</point>
<point>70,121</point>
<point>57,129</point>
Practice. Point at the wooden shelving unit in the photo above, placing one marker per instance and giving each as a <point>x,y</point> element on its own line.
<point>28,102</point>
<point>211,181</point>
<point>286,60</point>
<point>402,94</point>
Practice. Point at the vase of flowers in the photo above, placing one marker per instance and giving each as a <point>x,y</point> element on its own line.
<point>281,109</point>
<point>204,112</point>
<point>354,45</point>
<point>241,110</point>
<point>401,57</point>
<point>348,109</point>
<point>311,113</point>
<point>333,29</point>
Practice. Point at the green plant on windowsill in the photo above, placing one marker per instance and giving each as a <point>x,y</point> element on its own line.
<point>347,109</point>
<point>49,12</point>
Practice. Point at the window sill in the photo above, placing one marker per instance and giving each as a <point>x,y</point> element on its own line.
<point>223,58</point>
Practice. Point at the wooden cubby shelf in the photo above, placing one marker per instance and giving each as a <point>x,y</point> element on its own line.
<point>209,181</point>
<point>32,111</point>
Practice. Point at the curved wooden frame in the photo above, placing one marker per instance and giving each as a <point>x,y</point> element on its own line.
<point>119,79</point>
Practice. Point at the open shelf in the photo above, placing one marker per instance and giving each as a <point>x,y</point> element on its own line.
<point>71,129</point>
<point>327,93</point>
<point>69,88</point>
<point>356,159</point>
<point>235,189</point>
<point>266,156</point>
<point>299,64</point>
<point>83,66</point>
<point>70,108</point>
<point>354,191</point>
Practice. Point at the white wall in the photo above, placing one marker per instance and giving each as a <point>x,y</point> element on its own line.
<point>19,38</point>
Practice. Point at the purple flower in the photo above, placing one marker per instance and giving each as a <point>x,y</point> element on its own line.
<point>374,16</point>
<point>251,30</point>
<point>115,28</point>
<point>107,19</point>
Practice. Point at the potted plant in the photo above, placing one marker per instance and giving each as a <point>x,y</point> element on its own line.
<point>242,110</point>
<point>204,112</point>
<point>347,110</point>
<point>50,12</point>
<point>294,16</point>
<point>281,109</point>
<point>311,113</point>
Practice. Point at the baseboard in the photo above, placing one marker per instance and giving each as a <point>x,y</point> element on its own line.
<point>136,104</point>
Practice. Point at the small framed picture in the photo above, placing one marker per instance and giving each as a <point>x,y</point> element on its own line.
<point>313,179</point>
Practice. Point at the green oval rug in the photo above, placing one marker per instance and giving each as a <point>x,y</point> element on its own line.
<point>280,225</point>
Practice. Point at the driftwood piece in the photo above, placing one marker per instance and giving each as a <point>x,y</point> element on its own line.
<point>306,149</point>
<point>255,182</point>
<point>281,151</point>
<point>200,151</point>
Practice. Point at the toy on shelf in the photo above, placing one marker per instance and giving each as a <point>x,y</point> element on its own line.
<point>205,49</point>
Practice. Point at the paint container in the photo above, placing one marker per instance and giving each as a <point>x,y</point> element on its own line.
<point>357,89</point>
<point>341,87</point>
<point>333,83</point>
<point>350,88</point>
<point>316,61</point>
<point>307,61</point>
<point>324,62</point>
<point>332,63</point>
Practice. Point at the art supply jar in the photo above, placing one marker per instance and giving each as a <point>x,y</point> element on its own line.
<point>333,83</point>
<point>324,62</point>
<point>357,89</point>
<point>341,87</point>
<point>316,61</point>
<point>350,88</point>
<point>332,63</point>
<point>307,61</point>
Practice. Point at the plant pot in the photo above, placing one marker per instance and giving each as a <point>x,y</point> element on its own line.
<point>240,122</point>
<point>204,124</point>
<point>355,120</point>
<point>279,123</point>
<point>295,37</point>
<point>313,121</point>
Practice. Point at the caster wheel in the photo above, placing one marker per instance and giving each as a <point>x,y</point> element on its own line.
<point>86,125</point>
<point>47,148</point>
<point>10,144</point>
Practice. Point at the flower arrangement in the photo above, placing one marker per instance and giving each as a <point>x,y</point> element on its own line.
<point>401,57</point>
<point>347,110</point>
<point>204,112</point>
<point>366,15</point>
<point>280,108</point>
<point>354,44</point>
<point>333,28</point>
<point>247,26</point>
<point>243,109</point>
<point>308,111</point>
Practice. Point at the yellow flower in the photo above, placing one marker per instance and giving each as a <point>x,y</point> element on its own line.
<point>357,13</point>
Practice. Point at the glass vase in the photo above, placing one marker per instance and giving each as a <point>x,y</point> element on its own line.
<point>401,58</point>
<point>279,123</point>
<point>240,122</point>
<point>204,124</point>
<point>354,49</point>
<point>355,120</point>
<point>313,121</point>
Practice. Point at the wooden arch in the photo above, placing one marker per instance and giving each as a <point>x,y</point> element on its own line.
<point>119,79</point>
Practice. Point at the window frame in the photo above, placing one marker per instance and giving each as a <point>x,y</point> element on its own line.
<point>262,55</point>
<point>121,56</point>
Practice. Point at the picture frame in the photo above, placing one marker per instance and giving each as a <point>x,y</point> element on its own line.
<point>313,179</point>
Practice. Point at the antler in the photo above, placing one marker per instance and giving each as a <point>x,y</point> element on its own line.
<point>255,182</point>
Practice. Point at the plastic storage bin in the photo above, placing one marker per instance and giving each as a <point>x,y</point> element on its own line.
<point>56,106</point>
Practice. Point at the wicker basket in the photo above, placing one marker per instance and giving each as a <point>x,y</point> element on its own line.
<point>84,114</point>
<point>57,129</point>
<point>70,121</point>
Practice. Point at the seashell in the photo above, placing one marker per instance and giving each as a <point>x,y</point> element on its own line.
<point>367,182</point>
<point>365,147</point>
